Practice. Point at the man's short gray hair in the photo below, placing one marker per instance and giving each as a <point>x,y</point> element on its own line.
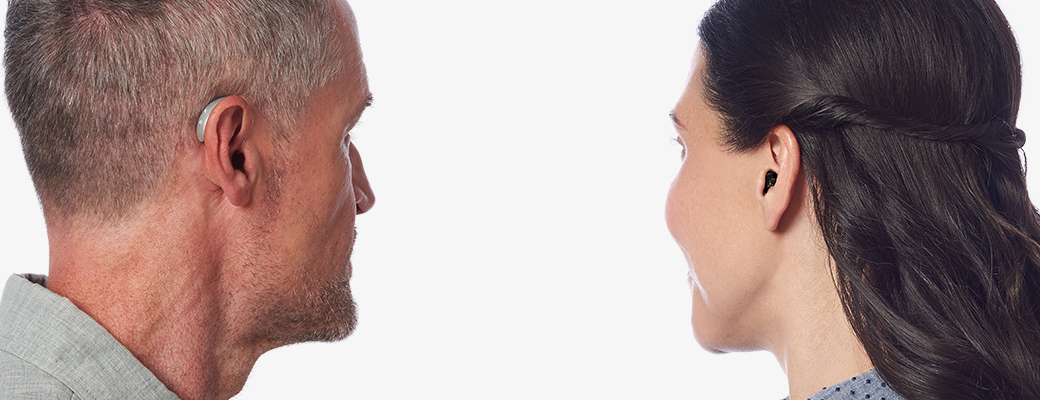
<point>105,93</point>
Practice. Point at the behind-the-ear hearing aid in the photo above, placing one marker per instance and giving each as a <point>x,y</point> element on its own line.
<point>200,127</point>
<point>770,181</point>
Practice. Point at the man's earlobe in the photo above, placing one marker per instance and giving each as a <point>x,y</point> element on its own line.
<point>232,157</point>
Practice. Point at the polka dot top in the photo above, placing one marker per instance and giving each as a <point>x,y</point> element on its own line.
<point>867,386</point>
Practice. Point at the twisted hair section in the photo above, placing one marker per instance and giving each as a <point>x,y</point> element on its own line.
<point>904,111</point>
<point>829,113</point>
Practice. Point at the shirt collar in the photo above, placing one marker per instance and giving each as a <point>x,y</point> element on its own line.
<point>50,332</point>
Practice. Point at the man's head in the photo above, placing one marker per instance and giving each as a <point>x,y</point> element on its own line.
<point>106,95</point>
<point>103,91</point>
<point>303,241</point>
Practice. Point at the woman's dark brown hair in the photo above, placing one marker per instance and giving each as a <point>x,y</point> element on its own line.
<point>905,113</point>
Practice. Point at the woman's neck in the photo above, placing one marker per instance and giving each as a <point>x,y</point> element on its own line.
<point>816,345</point>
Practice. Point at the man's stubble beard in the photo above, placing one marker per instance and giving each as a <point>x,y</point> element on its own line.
<point>324,314</point>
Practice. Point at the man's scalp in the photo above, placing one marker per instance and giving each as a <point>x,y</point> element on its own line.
<point>104,92</point>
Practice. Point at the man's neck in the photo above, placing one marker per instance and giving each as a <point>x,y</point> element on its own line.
<point>159,291</point>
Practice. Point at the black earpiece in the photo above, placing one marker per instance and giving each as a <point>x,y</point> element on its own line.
<point>770,181</point>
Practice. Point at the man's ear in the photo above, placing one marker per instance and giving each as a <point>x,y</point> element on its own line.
<point>785,160</point>
<point>232,158</point>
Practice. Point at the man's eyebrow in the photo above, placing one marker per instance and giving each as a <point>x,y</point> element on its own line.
<point>368,101</point>
<point>675,120</point>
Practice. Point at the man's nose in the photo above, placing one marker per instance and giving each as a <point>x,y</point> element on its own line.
<point>364,197</point>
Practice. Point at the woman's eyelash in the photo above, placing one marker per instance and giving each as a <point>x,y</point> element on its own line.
<point>677,142</point>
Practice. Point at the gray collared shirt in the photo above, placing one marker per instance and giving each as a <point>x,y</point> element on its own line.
<point>49,349</point>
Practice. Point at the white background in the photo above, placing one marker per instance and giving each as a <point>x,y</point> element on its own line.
<point>520,153</point>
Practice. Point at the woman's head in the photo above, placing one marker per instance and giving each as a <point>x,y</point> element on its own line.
<point>903,113</point>
<point>736,235</point>
<point>711,212</point>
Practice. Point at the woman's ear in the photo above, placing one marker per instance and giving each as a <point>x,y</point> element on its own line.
<point>232,159</point>
<point>779,175</point>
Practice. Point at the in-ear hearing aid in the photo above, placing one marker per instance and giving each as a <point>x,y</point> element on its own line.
<point>770,181</point>
<point>200,127</point>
